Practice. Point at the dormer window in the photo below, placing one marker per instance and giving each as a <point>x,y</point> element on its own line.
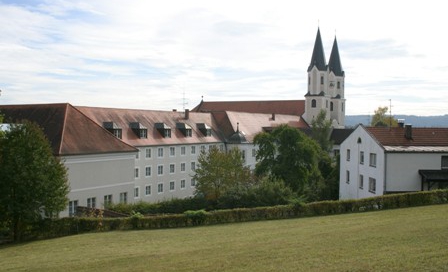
<point>113,128</point>
<point>205,129</point>
<point>163,129</point>
<point>185,129</point>
<point>139,130</point>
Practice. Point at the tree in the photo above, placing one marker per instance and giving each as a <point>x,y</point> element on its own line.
<point>320,131</point>
<point>380,119</point>
<point>287,154</point>
<point>33,183</point>
<point>218,171</point>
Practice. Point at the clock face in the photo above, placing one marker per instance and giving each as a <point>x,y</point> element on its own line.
<point>331,84</point>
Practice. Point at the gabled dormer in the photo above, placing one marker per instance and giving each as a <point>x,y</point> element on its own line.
<point>185,129</point>
<point>113,128</point>
<point>139,130</point>
<point>163,129</point>
<point>204,129</point>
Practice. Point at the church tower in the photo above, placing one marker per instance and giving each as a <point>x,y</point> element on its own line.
<point>325,85</point>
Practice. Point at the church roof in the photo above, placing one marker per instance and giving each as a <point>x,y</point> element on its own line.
<point>288,107</point>
<point>318,57</point>
<point>335,61</point>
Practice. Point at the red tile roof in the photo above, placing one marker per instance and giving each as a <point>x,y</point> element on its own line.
<point>287,107</point>
<point>148,118</point>
<point>420,136</point>
<point>69,131</point>
<point>250,124</point>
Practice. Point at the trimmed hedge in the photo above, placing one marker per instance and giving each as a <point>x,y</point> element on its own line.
<point>75,225</point>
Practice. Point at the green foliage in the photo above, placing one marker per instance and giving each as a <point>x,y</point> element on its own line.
<point>196,217</point>
<point>33,183</point>
<point>321,130</point>
<point>380,118</point>
<point>287,154</point>
<point>218,171</point>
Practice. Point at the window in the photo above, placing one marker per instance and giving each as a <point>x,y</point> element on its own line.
<point>117,133</point>
<point>143,134</point>
<point>160,152</point>
<point>148,190</point>
<point>331,106</point>
<point>339,84</point>
<point>313,103</point>
<point>172,168</point>
<point>243,155</point>
<point>172,185</point>
<point>148,153</point>
<point>91,202</point>
<point>182,184</point>
<point>137,156</point>
<point>124,197</point>
<point>182,167</point>
<point>136,173</point>
<point>160,188</point>
<point>193,182</point>
<point>182,150</point>
<point>107,200</point>
<point>193,166</point>
<point>193,150</point>
<point>148,171</point>
<point>172,151</point>
<point>326,104</point>
<point>136,192</point>
<point>342,107</point>
<point>160,170</point>
<point>361,157</point>
<point>372,185</point>
<point>444,162</point>
<point>254,153</point>
<point>309,81</point>
<point>348,154</point>
<point>347,178</point>
<point>167,133</point>
<point>202,148</point>
<point>72,206</point>
<point>361,181</point>
<point>322,80</point>
<point>372,161</point>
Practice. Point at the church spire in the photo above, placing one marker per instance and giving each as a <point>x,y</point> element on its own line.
<point>318,58</point>
<point>335,61</point>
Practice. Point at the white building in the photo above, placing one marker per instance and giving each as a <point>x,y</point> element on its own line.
<point>381,160</point>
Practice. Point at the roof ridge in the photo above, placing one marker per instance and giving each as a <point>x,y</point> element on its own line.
<point>63,128</point>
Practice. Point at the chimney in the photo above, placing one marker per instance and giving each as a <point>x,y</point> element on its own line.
<point>187,114</point>
<point>174,110</point>
<point>400,123</point>
<point>273,117</point>
<point>408,132</point>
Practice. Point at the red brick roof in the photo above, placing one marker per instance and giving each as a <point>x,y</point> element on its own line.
<point>69,131</point>
<point>420,136</point>
<point>288,107</point>
<point>250,124</point>
<point>148,118</point>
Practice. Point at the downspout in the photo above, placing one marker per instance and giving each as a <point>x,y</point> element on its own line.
<point>385,172</point>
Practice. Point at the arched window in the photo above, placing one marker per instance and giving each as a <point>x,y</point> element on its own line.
<point>322,80</point>
<point>331,106</point>
<point>313,103</point>
<point>339,84</point>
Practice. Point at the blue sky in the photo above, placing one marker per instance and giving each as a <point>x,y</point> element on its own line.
<point>166,55</point>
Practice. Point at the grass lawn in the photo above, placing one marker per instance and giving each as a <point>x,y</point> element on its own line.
<point>412,239</point>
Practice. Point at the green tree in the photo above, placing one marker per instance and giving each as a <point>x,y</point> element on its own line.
<point>287,154</point>
<point>218,171</point>
<point>380,118</point>
<point>321,130</point>
<point>33,183</point>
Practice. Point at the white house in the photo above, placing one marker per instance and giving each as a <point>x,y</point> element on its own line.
<point>381,160</point>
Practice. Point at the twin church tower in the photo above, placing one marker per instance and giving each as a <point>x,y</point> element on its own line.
<point>325,85</point>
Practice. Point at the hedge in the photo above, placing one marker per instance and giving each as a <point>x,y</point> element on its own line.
<point>76,225</point>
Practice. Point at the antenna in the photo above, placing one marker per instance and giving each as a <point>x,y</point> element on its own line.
<point>184,100</point>
<point>390,113</point>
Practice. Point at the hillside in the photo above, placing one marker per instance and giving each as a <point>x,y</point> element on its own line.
<point>416,121</point>
<point>410,239</point>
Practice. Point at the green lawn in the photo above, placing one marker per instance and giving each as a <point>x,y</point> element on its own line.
<point>412,239</point>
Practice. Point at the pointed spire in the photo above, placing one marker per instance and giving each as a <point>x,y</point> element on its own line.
<point>318,58</point>
<point>335,61</point>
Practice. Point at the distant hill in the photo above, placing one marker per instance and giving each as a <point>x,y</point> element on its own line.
<point>416,121</point>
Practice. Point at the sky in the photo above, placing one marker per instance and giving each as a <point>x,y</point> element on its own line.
<point>170,54</point>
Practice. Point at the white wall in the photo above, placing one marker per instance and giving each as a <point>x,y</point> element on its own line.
<point>402,169</point>
<point>352,189</point>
